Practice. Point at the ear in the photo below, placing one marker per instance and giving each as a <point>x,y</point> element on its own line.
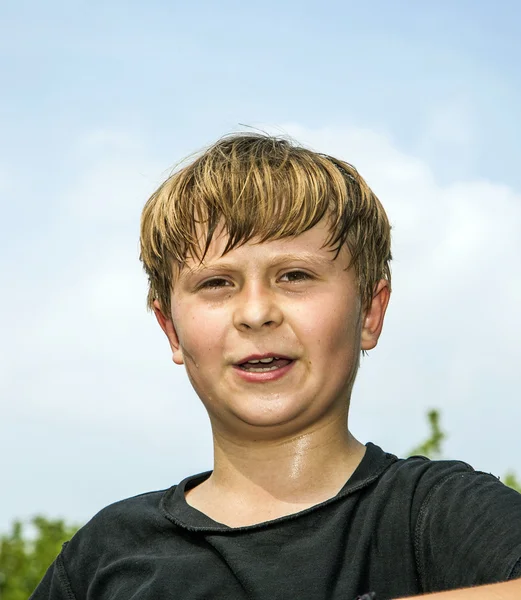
<point>373,318</point>
<point>167,325</point>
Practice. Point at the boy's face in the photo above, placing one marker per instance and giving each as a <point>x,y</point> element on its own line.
<point>288,299</point>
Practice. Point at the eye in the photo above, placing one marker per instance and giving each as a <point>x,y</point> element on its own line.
<point>294,276</point>
<point>217,282</point>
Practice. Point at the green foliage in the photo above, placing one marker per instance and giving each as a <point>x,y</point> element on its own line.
<point>431,448</point>
<point>24,560</point>
<point>512,481</point>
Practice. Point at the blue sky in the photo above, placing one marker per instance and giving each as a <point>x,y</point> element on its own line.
<point>182,73</point>
<point>100,99</point>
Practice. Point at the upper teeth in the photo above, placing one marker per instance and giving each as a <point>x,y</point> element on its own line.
<point>263,360</point>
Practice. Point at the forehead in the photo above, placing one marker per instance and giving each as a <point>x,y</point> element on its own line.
<point>309,247</point>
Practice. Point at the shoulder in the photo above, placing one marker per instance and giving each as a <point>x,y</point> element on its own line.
<point>464,525</point>
<point>421,468</point>
<point>418,476</point>
<point>141,506</point>
<point>426,488</point>
<point>120,518</point>
<point>457,492</point>
<point>116,527</point>
<point>422,475</point>
<point>437,480</point>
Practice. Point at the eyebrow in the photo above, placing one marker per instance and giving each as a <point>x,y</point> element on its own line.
<point>304,257</point>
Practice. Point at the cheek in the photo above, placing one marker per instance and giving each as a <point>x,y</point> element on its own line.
<point>201,333</point>
<point>332,330</point>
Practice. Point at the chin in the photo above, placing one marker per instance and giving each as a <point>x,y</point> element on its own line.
<point>275,417</point>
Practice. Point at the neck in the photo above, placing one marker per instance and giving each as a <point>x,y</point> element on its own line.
<point>261,480</point>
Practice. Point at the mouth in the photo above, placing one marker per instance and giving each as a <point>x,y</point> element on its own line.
<point>263,364</point>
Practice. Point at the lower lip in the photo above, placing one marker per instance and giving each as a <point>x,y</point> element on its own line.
<point>253,377</point>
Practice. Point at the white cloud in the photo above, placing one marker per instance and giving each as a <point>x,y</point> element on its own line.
<point>451,123</point>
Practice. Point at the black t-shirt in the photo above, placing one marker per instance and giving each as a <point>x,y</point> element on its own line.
<point>398,528</point>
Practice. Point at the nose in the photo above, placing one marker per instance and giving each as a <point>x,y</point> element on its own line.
<point>256,308</point>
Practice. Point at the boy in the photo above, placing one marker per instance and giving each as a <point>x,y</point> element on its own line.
<point>269,274</point>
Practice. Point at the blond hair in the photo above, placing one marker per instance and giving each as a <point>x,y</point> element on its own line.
<point>264,187</point>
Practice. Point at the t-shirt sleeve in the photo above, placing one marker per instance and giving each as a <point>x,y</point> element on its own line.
<point>468,532</point>
<point>55,584</point>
